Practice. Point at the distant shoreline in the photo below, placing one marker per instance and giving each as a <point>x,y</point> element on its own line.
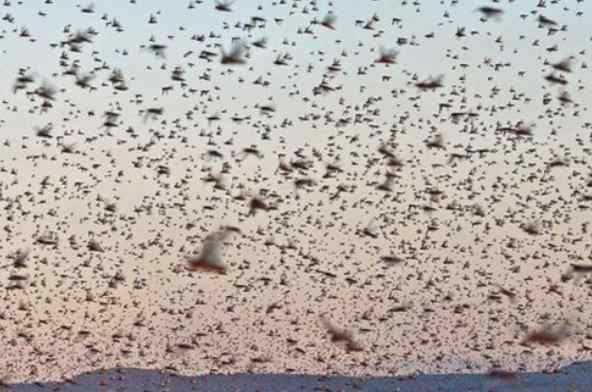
<point>575,377</point>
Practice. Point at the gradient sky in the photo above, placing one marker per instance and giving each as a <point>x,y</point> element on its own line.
<point>462,263</point>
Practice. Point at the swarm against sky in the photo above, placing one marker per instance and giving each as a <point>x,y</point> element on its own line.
<point>354,187</point>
